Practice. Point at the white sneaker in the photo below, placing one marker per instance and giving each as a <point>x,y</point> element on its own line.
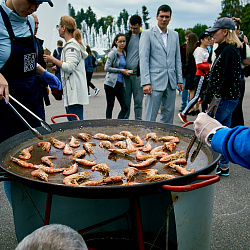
<point>96,91</point>
<point>89,94</point>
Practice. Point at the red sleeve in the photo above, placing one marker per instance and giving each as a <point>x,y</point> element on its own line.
<point>201,68</point>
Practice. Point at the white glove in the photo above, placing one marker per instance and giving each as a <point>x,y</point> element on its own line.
<point>205,125</point>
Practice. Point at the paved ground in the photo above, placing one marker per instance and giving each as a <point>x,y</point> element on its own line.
<point>231,206</point>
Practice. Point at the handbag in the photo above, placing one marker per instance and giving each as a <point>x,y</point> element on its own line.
<point>57,93</point>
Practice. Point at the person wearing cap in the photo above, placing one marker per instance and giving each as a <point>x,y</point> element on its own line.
<point>201,55</point>
<point>18,68</point>
<point>232,143</point>
<point>225,75</point>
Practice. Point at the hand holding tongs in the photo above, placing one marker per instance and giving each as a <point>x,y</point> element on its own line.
<point>43,123</point>
<point>211,112</point>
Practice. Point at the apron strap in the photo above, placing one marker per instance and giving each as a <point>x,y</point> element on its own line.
<point>7,23</point>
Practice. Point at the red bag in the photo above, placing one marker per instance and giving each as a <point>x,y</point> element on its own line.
<point>57,93</point>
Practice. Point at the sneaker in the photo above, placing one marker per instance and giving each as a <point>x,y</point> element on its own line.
<point>182,117</point>
<point>89,94</point>
<point>96,91</point>
<point>223,171</point>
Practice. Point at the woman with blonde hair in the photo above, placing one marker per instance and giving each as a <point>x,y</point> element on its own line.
<point>72,67</point>
<point>225,76</point>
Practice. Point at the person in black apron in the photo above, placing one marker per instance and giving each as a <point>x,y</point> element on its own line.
<point>20,73</point>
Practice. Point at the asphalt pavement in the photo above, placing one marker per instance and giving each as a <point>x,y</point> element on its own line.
<point>231,204</point>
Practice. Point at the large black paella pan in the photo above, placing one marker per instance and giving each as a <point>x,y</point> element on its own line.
<point>204,164</point>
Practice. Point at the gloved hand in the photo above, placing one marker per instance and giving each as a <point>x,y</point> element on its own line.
<point>204,125</point>
<point>52,80</point>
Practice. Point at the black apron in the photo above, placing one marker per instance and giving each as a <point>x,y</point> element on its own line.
<point>20,73</point>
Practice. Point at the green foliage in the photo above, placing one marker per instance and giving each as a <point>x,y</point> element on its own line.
<point>181,35</point>
<point>145,17</point>
<point>123,16</point>
<point>72,11</point>
<point>231,8</point>
<point>245,26</point>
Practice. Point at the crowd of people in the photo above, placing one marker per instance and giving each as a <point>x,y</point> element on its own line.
<point>148,63</point>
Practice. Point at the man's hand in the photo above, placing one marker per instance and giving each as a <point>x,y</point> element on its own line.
<point>51,80</point>
<point>147,89</point>
<point>4,88</point>
<point>180,86</point>
<point>125,72</point>
<point>203,125</point>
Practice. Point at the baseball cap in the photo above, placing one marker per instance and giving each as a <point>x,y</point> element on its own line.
<point>222,23</point>
<point>49,2</point>
<point>204,34</point>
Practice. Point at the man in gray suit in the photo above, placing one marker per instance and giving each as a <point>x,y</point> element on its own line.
<point>160,64</point>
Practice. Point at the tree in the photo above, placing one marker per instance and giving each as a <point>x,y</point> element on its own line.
<point>231,8</point>
<point>72,12</point>
<point>80,16</point>
<point>90,17</point>
<point>145,17</point>
<point>123,16</point>
<point>199,28</point>
<point>245,26</point>
<point>181,35</point>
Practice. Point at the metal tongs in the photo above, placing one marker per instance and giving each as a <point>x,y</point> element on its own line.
<point>211,111</point>
<point>34,131</point>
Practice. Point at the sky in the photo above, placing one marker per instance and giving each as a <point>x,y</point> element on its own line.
<point>185,13</point>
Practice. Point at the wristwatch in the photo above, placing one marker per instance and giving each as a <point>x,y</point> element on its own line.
<point>209,138</point>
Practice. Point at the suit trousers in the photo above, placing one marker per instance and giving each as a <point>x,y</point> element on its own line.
<point>164,99</point>
<point>133,86</point>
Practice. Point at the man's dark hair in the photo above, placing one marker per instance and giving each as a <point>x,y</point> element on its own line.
<point>164,8</point>
<point>135,19</point>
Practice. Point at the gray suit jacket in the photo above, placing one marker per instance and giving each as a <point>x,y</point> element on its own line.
<point>158,66</point>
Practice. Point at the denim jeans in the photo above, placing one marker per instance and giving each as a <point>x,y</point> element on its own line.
<point>184,95</point>
<point>224,116</point>
<point>7,189</point>
<point>75,109</point>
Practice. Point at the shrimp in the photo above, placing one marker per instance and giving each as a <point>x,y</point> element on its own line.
<point>74,178</point>
<point>40,174</point>
<point>102,136</point>
<point>138,141</point>
<point>102,167</point>
<point>49,170</point>
<point>25,153</point>
<point>126,133</point>
<point>84,162</point>
<point>159,177</point>
<point>169,138</point>
<point>112,179</point>
<point>57,144</point>
<point>152,136</point>
<point>79,153</point>
<point>131,172</point>
<point>170,146</point>
<point>121,144</point>
<point>150,172</point>
<point>147,147</point>
<point>46,160</point>
<point>130,145</point>
<point>160,154</point>
<point>177,155</point>
<point>22,163</point>
<point>84,136</point>
<point>177,161</point>
<point>141,157</point>
<point>74,143</point>
<point>157,149</point>
<point>71,170</point>
<point>88,146</point>
<point>131,183</point>
<point>91,183</point>
<point>117,137</point>
<point>121,151</point>
<point>106,144</point>
<point>143,163</point>
<point>181,170</point>
<point>45,145</point>
<point>67,150</point>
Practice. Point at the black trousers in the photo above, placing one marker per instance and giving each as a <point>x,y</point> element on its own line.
<point>119,92</point>
<point>89,83</point>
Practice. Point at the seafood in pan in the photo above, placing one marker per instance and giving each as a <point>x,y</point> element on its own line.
<point>22,163</point>
<point>181,170</point>
<point>25,153</point>
<point>126,133</point>
<point>45,145</point>
<point>117,137</point>
<point>147,147</point>
<point>49,170</point>
<point>112,179</point>
<point>131,172</point>
<point>121,151</point>
<point>102,167</point>
<point>84,162</point>
<point>84,136</point>
<point>138,141</point>
<point>142,164</point>
<point>57,144</point>
<point>74,179</point>
<point>153,136</point>
<point>71,170</point>
<point>40,174</point>
<point>150,172</point>
<point>74,143</point>
<point>68,150</point>
<point>170,146</point>
<point>106,144</point>
<point>46,160</point>
<point>159,177</point>
<point>121,144</point>
<point>141,157</point>
<point>101,136</point>
<point>79,153</point>
<point>88,146</point>
<point>175,156</point>
<point>169,138</point>
<point>180,161</point>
